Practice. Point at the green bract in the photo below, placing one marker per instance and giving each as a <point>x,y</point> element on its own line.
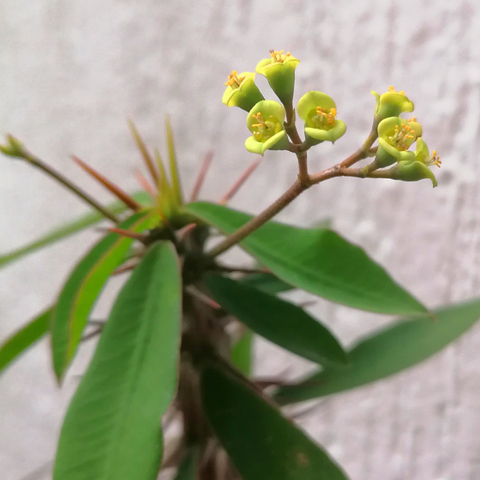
<point>391,104</point>
<point>395,135</point>
<point>265,121</point>
<point>411,171</point>
<point>241,91</point>
<point>280,72</point>
<point>318,112</point>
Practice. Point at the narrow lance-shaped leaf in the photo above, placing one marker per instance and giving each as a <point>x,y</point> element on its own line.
<point>83,288</point>
<point>112,428</point>
<point>317,260</point>
<point>267,282</point>
<point>24,338</point>
<point>262,444</point>
<point>387,352</point>
<point>241,355</point>
<point>70,228</point>
<point>279,321</point>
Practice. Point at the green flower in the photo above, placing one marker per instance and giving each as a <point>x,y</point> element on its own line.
<point>395,135</point>
<point>391,104</point>
<point>241,91</point>
<point>318,111</point>
<point>265,121</point>
<point>280,72</point>
<point>411,171</point>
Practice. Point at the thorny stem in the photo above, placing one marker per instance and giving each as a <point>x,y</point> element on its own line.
<point>303,182</point>
<point>36,162</point>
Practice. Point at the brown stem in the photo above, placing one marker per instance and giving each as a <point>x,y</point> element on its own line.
<point>291,194</point>
<point>304,181</point>
<point>36,162</point>
<point>364,150</point>
<point>292,132</point>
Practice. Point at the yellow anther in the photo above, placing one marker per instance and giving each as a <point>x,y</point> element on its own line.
<point>234,80</point>
<point>278,56</point>
<point>391,89</point>
<point>259,118</point>
<point>330,117</point>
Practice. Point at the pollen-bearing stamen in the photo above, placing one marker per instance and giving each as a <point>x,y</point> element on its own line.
<point>265,128</point>
<point>402,137</point>
<point>391,89</point>
<point>434,159</point>
<point>234,80</point>
<point>329,117</point>
<point>278,56</point>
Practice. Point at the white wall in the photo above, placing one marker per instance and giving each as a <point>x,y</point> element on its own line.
<point>73,71</point>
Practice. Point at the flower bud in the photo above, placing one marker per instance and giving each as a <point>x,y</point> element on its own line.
<point>266,121</point>
<point>13,148</point>
<point>318,111</point>
<point>280,72</point>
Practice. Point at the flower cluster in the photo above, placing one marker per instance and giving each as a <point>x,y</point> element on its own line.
<point>396,135</point>
<point>272,123</point>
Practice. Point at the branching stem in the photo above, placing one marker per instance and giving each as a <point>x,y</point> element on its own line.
<point>303,182</point>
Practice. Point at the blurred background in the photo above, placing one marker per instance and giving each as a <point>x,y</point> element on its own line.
<point>73,71</point>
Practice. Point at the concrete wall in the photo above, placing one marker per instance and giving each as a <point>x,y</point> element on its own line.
<point>73,71</point>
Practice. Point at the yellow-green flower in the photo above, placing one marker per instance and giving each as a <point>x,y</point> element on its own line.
<point>265,121</point>
<point>419,168</point>
<point>318,111</point>
<point>391,104</point>
<point>241,91</point>
<point>395,135</point>
<point>280,72</point>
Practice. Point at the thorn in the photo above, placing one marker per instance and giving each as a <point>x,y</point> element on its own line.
<point>176,187</point>
<point>126,267</point>
<point>202,297</point>
<point>145,185</point>
<point>127,233</point>
<point>117,191</point>
<point>143,149</point>
<point>201,176</point>
<point>186,230</point>
<point>241,180</point>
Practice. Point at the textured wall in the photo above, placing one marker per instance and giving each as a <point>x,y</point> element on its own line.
<point>72,71</point>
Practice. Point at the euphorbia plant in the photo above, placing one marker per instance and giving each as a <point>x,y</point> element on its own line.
<point>177,342</point>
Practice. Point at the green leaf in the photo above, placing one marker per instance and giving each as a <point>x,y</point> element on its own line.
<point>387,352</point>
<point>112,428</point>
<point>279,321</point>
<point>262,444</point>
<point>267,282</point>
<point>83,288</point>
<point>241,355</point>
<point>24,338</point>
<point>69,229</point>
<point>317,260</point>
